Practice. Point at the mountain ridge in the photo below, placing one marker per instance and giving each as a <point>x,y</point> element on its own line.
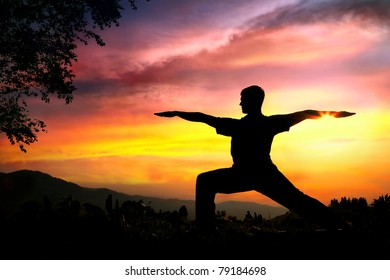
<point>23,185</point>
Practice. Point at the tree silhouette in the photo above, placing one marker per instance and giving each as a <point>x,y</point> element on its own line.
<point>109,209</point>
<point>381,215</point>
<point>183,212</point>
<point>248,217</point>
<point>354,210</point>
<point>37,48</point>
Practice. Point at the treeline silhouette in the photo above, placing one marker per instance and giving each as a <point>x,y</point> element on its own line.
<point>134,230</point>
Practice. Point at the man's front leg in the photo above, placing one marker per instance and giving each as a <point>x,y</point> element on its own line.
<point>204,202</point>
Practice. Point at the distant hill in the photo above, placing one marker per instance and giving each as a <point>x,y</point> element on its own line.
<point>20,186</point>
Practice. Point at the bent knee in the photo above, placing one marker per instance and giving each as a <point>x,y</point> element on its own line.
<point>202,179</point>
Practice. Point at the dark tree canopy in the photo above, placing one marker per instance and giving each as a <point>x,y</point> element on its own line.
<point>38,39</point>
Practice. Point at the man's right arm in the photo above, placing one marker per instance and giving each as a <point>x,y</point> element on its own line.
<point>190,116</point>
<point>297,117</point>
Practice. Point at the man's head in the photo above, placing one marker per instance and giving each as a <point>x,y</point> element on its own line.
<point>252,98</point>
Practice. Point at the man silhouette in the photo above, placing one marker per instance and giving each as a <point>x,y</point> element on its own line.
<point>253,169</point>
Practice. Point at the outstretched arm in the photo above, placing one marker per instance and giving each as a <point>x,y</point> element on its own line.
<point>314,114</point>
<point>190,116</point>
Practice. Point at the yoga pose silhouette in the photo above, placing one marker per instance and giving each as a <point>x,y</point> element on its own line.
<point>253,169</point>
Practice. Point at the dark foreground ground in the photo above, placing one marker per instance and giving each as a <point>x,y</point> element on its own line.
<point>137,232</point>
<point>193,245</point>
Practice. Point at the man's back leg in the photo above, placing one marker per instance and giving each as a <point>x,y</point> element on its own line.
<point>277,187</point>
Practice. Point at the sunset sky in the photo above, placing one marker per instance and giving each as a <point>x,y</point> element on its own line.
<point>197,55</point>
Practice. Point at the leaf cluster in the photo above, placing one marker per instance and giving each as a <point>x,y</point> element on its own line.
<point>38,39</point>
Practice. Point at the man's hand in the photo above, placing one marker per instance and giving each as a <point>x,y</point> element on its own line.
<point>341,114</point>
<point>167,114</point>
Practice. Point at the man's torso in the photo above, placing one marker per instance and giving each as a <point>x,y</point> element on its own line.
<point>252,137</point>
